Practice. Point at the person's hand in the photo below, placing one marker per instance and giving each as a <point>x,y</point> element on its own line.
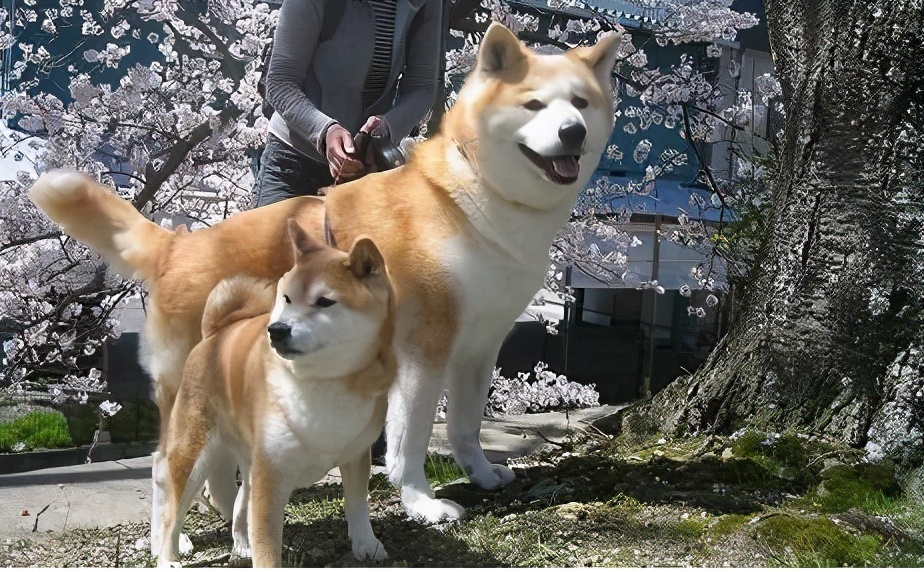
<point>339,151</point>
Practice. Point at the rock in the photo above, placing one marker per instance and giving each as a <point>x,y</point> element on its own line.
<point>896,430</point>
<point>728,453</point>
<point>829,465</point>
<point>572,511</point>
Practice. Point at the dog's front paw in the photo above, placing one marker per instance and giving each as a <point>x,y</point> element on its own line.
<point>492,477</point>
<point>241,556</point>
<point>241,551</point>
<point>431,511</point>
<point>369,549</point>
<point>186,545</point>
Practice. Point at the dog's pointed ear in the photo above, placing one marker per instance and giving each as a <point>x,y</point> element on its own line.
<point>303,242</point>
<point>500,49</point>
<point>365,259</point>
<point>601,57</point>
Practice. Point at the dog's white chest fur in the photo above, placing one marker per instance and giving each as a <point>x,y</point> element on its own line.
<point>495,281</point>
<point>501,265</point>
<point>320,424</point>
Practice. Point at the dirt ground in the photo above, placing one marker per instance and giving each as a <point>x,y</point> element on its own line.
<point>592,500</point>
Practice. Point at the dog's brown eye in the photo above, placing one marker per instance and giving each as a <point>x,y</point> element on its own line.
<point>578,102</point>
<point>286,299</point>
<point>534,105</point>
<point>325,302</point>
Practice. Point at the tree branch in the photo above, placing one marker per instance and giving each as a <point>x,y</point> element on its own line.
<point>155,177</point>
<point>702,162</point>
<point>29,240</point>
<point>231,65</point>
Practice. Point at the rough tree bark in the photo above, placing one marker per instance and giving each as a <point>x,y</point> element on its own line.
<point>831,336</point>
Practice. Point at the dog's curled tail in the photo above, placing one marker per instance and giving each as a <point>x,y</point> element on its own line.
<point>110,225</point>
<point>237,298</point>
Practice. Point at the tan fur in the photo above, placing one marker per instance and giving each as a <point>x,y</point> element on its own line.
<point>226,389</point>
<point>236,299</point>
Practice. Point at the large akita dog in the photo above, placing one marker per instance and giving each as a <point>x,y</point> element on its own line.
<point>291,394</point>
<point>465,229</point>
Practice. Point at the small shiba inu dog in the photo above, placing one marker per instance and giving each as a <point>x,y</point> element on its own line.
<point>290,394</point>
<point>465,228</point>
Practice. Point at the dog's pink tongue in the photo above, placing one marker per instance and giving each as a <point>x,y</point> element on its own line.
<point>566,167</point>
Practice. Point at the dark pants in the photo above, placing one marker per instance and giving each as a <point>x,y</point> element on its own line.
<point>285,173</point>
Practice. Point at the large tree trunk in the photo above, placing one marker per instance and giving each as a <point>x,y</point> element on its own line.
<point>830,336</point>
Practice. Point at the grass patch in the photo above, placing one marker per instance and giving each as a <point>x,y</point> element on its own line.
<point>729,524</point>
<point>871,488</point>
<point>35,430</point>
<point>317,502</point>
<point>441,469</point>
<point>691,528</point>
<point>786,456</point>
<point>816,542</point>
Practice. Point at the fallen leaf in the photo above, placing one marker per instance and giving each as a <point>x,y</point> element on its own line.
<point>24,512</point>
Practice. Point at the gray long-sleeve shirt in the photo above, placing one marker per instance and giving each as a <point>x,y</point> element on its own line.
<point>313,83</point>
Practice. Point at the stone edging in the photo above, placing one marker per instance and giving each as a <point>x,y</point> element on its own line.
<point>35,460</point>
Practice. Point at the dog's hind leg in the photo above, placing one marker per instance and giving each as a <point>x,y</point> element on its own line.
<point>468,393</point>
<point>167,352</point>
<point>222,482</point>
<point>186,451</point>
<point>160,471</point>
<point>159,476</point>
<point>356,505</point>
<point>239,525</point>
<point>411,408</point>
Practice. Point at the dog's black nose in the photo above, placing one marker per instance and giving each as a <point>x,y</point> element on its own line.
<point>572,136</point>
<point>279,331</point>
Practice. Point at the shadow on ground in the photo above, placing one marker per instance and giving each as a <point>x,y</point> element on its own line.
<point>719,486</point>
<point>315,534</point>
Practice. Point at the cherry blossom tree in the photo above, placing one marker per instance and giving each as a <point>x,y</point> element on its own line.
<point>173,135</point>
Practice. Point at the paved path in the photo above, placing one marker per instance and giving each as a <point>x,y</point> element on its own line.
<point>114,492</point>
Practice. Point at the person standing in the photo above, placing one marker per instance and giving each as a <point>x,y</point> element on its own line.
<point>338,67</point>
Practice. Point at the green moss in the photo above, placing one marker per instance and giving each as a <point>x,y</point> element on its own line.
<point>870,488</point>
<point>36,430</point>
<point>785,456</point>
<point>748,444</point>
<point>790,451</point>
<point>816,542</point>
<point>636,425</point>
<point>315,503</point>
<point>690,528</point>
<point>729,524</point>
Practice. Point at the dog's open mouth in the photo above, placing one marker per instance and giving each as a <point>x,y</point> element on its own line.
<point>562,169</point>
